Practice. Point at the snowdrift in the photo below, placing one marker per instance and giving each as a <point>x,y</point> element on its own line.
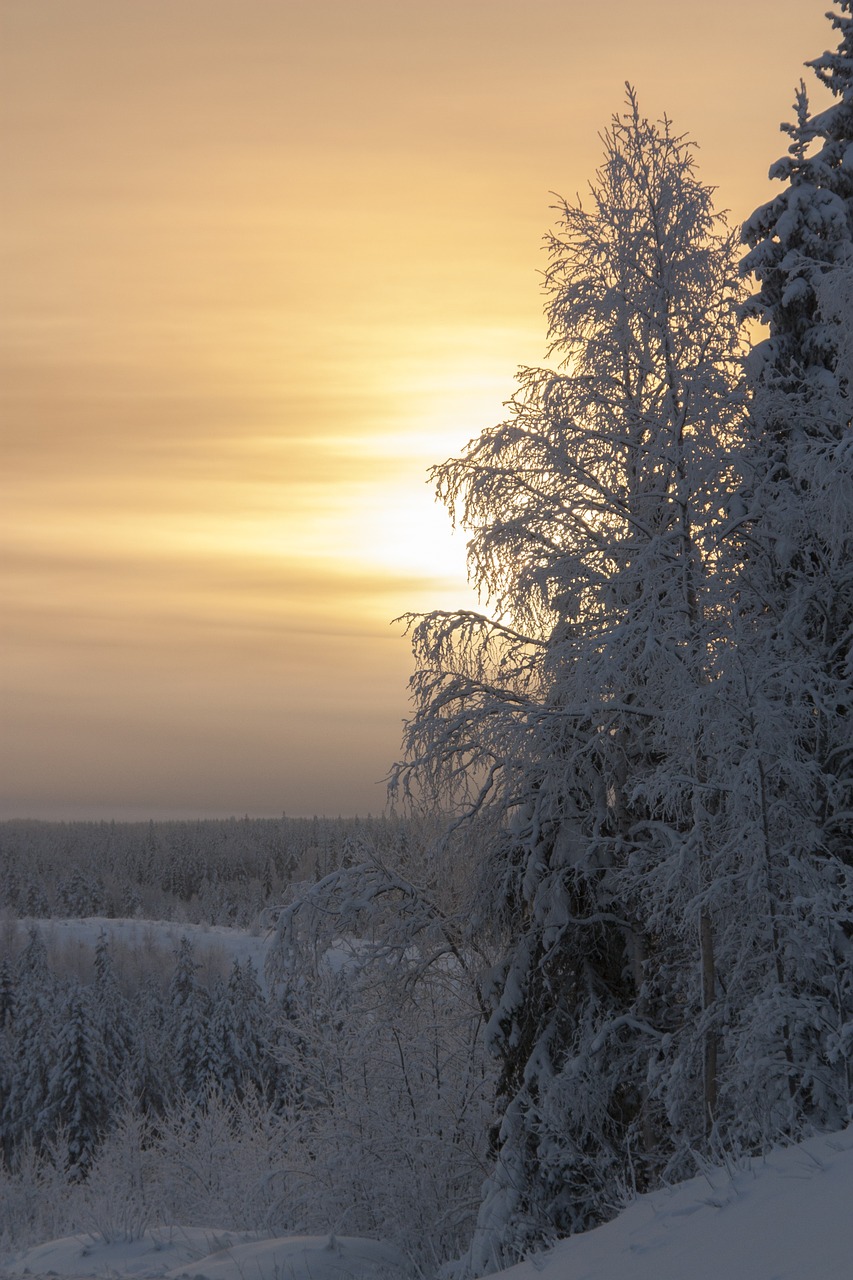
<point>199,1253</point>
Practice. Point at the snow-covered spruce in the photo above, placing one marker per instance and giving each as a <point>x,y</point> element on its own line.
<point>790,804</point>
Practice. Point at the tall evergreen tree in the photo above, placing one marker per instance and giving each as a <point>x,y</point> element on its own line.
<point>8,1003</point>
<point>223,1044</point>
<point>31,1046</point>
<point>259,1069</point>
<point>76,1102</point>
<point>150,1065</point>
<point>112,1022</point>
<point>187,1039</point>
<point>795,629</point>
<point>7,994</point>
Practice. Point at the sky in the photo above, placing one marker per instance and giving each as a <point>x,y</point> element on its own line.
<point>262,263</point>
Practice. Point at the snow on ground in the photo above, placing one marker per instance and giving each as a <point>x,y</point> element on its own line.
<point>788,1216</point>
<point>171,1253</point>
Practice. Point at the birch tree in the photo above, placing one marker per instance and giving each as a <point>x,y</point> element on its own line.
<point>570,724</point>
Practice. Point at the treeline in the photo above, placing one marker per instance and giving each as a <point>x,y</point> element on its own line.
<point>203,872</point>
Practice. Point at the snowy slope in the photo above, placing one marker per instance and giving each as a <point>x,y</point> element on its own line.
<point>786,1217</point>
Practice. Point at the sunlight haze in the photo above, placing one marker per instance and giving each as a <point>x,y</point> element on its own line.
<point>262,265</point>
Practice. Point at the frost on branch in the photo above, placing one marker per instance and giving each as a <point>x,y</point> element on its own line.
<point>572,728</point>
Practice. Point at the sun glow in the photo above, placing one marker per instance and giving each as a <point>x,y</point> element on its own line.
<point>407,532</point>
<point>245,309</point>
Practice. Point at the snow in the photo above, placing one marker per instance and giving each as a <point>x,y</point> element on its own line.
<point>171,1253</point>
<point>784,1217</point>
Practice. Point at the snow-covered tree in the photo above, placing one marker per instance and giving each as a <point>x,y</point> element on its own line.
<point>148,1075</point>
<point>795,626</point>
<point>796,240</point>
<point>572,725</point>
<point>385,1073</point>
<point>77,1101</point>
<point>30,1043</point>
<point>7,994</point>
<point>187,1048</point>
<point>240,1036</point>
<point>112,1022</point>
<point>8,1003</point>
<point>258,1068</point>
<point>225,1050</point>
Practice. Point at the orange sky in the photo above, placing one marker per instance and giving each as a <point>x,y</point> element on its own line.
<point>261,263</point>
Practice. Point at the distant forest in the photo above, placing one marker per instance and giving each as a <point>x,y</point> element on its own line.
<point>345,1082</point>
<point>218,872</point>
